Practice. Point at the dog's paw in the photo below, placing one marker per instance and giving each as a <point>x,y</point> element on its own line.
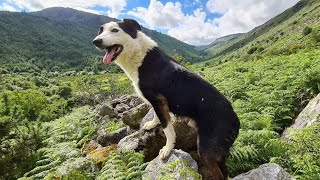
<point>149,125</point>
<point>165,152</point>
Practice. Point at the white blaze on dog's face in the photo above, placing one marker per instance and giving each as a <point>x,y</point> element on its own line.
<point>117,38</point>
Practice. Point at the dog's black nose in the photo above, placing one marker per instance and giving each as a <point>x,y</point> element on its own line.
<point>97,42</point>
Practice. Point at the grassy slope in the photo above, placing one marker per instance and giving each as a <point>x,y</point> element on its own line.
<point>62,37</point>
<point>266,95</point>
<point>219,44</point>
<point>269,86</point>
<point>278,33</point>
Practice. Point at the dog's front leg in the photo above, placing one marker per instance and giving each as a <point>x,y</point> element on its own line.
<point>161,109</point>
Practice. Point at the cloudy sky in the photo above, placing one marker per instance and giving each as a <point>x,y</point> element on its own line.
<point>196,22</point>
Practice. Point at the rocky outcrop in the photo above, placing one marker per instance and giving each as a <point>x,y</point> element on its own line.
<point>133,117</point>
<point>308,116</point>
<point>182,167</point>
<point>128,109</point>
<point>130,101</point>
<point>150,142</point>
<point>268,171</point>
<point>106,139</point>
<point>107,110</point>
<point>100,155</point>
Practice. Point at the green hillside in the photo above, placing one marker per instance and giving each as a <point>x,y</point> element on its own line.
<point>221,42</point>
<point>59,39</point>
<point>47,117</point>
<point>283,34</point>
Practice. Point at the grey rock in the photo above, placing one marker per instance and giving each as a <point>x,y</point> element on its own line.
<point>186,135</point>
<point>106,139</point>
<point>147,117</point>
<point>106,109</point>
<point>131,101</point>
<point>135,101</point>
<point>133,117</point>
<point>308,116</point>
<point>122,107</point>
<point>154,167</point>
<point>147,142</point>
<point>268,171</point>
<point>104,120</point>
<point>150,142</point>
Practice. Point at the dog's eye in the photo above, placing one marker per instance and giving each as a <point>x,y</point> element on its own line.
<point>100,30</point>
<point>114,30</point>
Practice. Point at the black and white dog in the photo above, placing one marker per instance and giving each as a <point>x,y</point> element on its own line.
<point>170,87</point>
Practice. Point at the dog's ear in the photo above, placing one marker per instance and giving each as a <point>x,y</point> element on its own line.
<point>130,26</point>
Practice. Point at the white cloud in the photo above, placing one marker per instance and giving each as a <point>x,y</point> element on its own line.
<point>159,15</point>
<point>7,7</point>
<point>195,30</point>
<point>236,16</point>
<point>115,6</point>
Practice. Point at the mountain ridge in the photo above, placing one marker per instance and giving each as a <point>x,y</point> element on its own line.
<point>61,39</point>
<point>297,15</point>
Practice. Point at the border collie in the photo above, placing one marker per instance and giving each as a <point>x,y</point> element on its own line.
<point>170,87</point>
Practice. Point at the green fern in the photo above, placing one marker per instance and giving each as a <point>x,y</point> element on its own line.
<point>123,166</point>
<point>63,145</point>
<point>178,167</point>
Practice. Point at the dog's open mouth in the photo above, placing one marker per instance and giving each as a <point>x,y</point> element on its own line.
<point>112,53</point>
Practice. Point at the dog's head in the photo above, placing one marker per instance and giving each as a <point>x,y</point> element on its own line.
<point>116,38</point>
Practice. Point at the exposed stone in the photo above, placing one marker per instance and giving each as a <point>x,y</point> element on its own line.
<point>186,135</point>
<point>268,171</point>
<point>154,168</point>
<point>147,142</point>
<point>105,119</point>
<point>100,155</point>
<point>150,142</point>
<point>122,107</point>
<point>134,101</point>
<point>131,101</point>
<point>308,116</point>
<point>106,109</point>
<point>133,117</point>
<point>105,138</point>
<point>90,146</point>
<point>147,117</point>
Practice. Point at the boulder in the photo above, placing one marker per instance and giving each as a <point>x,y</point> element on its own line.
<point>122,107</point>
<point>150,142</point>
<point>90,146</point>
<point>147,142</point>
<point>133,117</point>
<point>131,101</point>
<point>308,116</point>
<point>100,155</point>
<point>268,171</point>
<point>106,139</point>
<point>106,109</point>
<point>186,167</point>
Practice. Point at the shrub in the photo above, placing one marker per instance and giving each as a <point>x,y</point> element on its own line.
<point>315,34</point>
<point>307,30</point>
<point>252,50</point>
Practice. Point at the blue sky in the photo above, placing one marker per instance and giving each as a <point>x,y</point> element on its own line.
<point>196,22</point>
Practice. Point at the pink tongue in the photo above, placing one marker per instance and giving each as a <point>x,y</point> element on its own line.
<point>109,55</point>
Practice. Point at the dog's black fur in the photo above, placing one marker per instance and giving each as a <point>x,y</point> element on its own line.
<point>169,86</point>
<point>189,95</point>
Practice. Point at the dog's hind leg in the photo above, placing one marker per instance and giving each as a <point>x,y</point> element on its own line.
<point>209,167</point>
<point>151,124</point>
<point>161,108</point>
<point>212,158</point>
